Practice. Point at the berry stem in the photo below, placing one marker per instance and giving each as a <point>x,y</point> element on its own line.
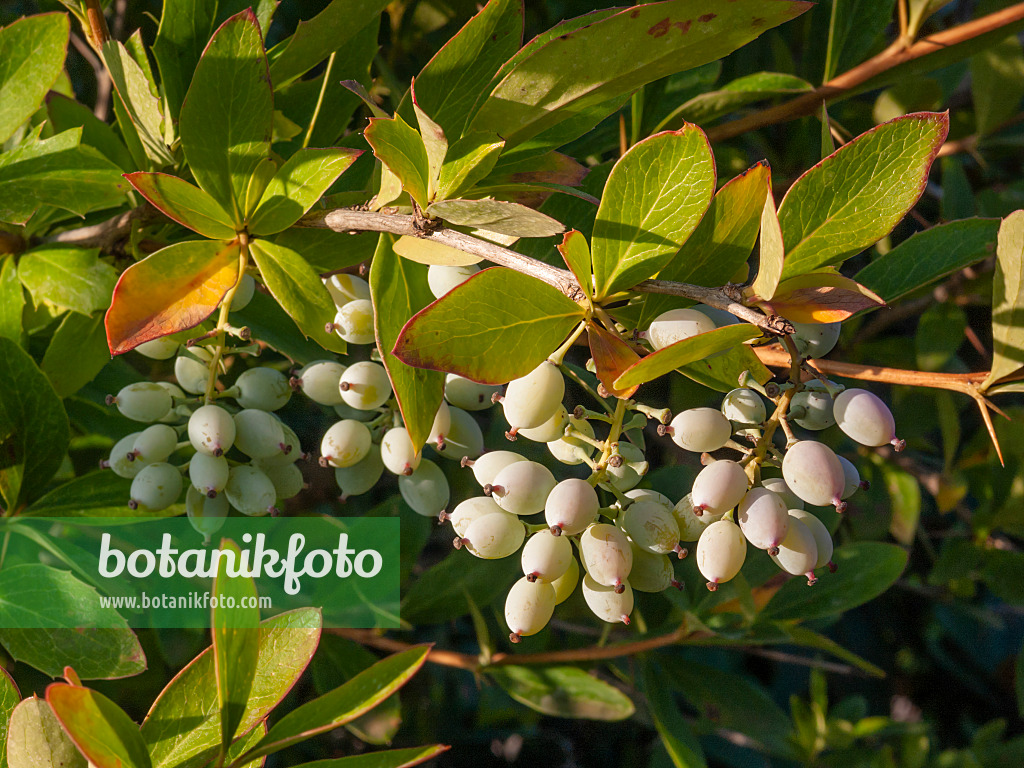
<point>222,318</point>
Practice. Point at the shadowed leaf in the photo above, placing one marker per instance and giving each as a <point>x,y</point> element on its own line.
<point>186,203</point>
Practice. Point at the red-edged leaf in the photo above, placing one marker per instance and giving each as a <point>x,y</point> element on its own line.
<point>172,290</point>
<point>186,203</point>
<point>99,728</point>
<point>576,254</point>
<point>686,351</point>
<point>612,356</point>
<point>497,326</point>
<point>821,297</point>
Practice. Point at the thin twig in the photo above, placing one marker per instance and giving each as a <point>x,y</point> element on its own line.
<point>103,82</point>
<point>848,82</point>
<point>106,234</point>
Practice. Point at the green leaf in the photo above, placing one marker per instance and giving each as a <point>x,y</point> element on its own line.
<point>997,83</point>
<point>676,734</point>
<point>1008,300</point>
<point>12,301</point>
<point>865,570</point>
<point>236,635</point>
<point>928,256</point>
<point>498,216</point>
<point>742,91</point>
<point>297,185</point>
<point>562,692</point>
<point>721,243</point>
<point>97,494</point>
<point>722,372</point>
<point>68,277</point>
<point>685,352</point>
<point>185,203</point>
<point>808,638</point>
<point>856,27</point>
<point>653,200</point>
<point>34,429</point>
<point>905,499</point>
<point>59,172</point>
<point>9,698</point>
<point>316,39</point>
<point>345,703</point>
<point>434,142</point>
<point>36,740</point>
<point>389,758</point>
<point>32,54</point>
<point>496,311</point>
<point>299,290</point>
<point>139,101</point>
<point>400,147</point>
<point>399,290</point>
<point>66,114</point>
<point>771,262</point>
<point>169,291</point>
<point>855,197</point>
<point>440,593</point>
<point>185,28</point>
<point>467,162</point>
<point>457,78</point>
<point>728,700</point>
<point>1020,681</point>
<point>920,10</point>
<point>227,118</point>
<point>105,653</point>
<point>100,729</point>
<point>77,352</point>
<point>182,728</point>
<point>576,254</point>
<point>617,54</point>
<point>337,661</point>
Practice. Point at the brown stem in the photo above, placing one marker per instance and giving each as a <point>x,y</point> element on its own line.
<point>348,220</point>
<point>896,54</point>
<point>103,82</point>
<point>106,234</point>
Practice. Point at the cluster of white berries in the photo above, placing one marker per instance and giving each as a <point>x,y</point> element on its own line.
<point>240,454</point>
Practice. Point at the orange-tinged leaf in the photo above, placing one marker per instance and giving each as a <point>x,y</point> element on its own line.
<point>611,356</point>
<point>99,728</point>
<point>822,297</point>
<point>172,290</point>
<point>576,254</point>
